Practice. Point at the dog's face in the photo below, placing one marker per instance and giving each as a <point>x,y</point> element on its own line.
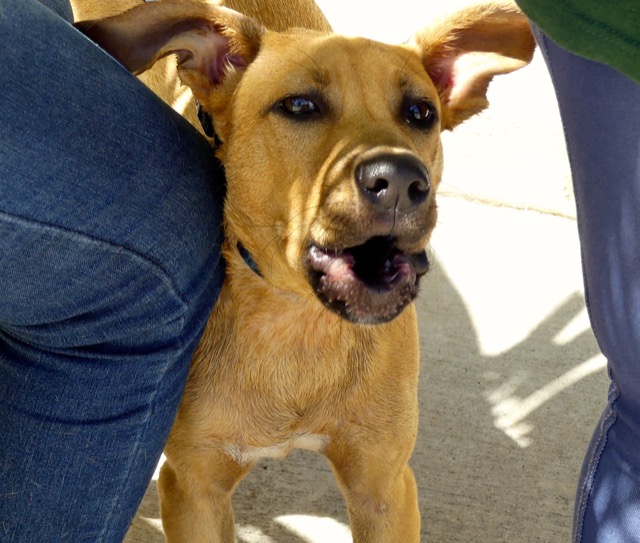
<point>331,144</point>
<point>339,142</point>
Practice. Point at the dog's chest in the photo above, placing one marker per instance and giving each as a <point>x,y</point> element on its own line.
<point>244,455</point>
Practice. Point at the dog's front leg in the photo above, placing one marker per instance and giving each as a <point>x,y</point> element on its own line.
<point>380,491</point>
<point>195,499</point>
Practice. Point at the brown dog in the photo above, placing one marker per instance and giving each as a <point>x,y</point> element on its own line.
<point>332,152</point>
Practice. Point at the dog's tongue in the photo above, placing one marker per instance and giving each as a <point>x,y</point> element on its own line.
<point>336,264</point>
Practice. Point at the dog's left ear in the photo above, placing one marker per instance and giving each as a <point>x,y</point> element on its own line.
<point>209,41</point>
<point>463,52</point>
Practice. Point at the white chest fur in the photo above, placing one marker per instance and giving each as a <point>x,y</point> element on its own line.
<point>248,455</point>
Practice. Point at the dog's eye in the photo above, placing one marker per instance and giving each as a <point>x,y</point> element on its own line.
<point>420,114</point>
<point>298,105</point>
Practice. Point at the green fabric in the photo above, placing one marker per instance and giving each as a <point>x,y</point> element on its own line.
<point>604,30</point>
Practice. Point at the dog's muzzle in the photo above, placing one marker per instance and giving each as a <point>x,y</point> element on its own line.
<point>367,284</point>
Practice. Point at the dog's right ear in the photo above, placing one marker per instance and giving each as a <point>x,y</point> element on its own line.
<point>464,51</point>
<point>209,41</point>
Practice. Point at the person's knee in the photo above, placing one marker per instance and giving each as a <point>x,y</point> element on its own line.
<point>68,291</point>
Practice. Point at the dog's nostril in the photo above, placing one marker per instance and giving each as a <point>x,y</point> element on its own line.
<point>418,191</point>
<point>378,186</point>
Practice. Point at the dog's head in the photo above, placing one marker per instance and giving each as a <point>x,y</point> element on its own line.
<point>331,144</point>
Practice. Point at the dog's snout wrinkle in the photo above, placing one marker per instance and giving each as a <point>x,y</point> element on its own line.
<point>394,182</point>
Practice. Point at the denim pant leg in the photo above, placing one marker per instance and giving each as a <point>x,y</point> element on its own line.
<point>600,111</point>
<point>110,210</point>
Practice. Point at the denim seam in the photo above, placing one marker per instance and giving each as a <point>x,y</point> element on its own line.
<point>585,492</point>
<point>113,506</point>
<point>144,260</point>
<point>153,406</point>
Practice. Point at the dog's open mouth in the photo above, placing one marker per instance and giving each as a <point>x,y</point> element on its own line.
<point>370,283</point>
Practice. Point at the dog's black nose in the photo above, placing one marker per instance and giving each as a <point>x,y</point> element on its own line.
<point>392,181</point>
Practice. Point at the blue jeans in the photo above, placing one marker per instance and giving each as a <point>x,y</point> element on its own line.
<point>600,111</point>
<point>110,210</point>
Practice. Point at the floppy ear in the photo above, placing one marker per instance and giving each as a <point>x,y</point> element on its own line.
<point>463,52</point>
<point>209,41</point>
